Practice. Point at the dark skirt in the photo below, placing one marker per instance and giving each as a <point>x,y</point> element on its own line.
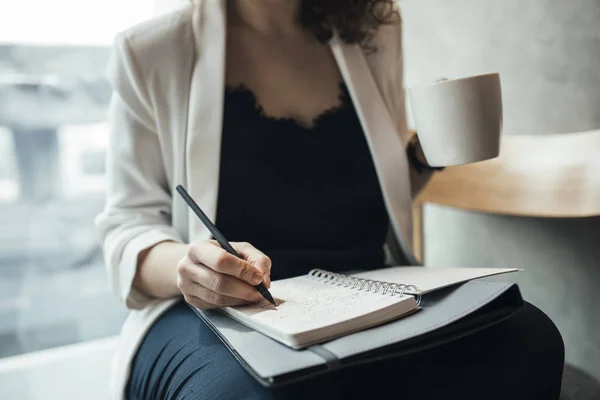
<point>520,358</point>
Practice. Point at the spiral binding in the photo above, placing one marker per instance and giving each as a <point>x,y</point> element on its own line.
<point>369,285</point>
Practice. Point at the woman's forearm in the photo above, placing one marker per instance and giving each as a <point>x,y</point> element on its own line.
<point>156,274</point>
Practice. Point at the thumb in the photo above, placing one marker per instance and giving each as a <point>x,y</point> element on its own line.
<point>257,259</point>
<point>264,264</point>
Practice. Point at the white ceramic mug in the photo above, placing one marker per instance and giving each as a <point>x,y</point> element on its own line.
<point>459,121</point>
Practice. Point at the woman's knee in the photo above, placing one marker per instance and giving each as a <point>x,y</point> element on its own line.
<point>220,379</point>
<point>544,334</point>
<point>544,324</point>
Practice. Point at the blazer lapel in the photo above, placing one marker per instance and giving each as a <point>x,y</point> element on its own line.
<point>205,112</point>
<point>384,141</point>
<point>205,115</point>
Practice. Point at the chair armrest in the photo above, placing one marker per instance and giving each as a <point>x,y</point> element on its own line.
<point>554,176</point>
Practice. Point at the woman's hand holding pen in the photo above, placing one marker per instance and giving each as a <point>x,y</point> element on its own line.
<point>209,277</point>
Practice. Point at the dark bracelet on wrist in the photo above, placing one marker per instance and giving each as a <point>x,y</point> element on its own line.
<point>411,151</point>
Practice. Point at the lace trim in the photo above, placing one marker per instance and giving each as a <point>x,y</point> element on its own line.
<point>248,96</point>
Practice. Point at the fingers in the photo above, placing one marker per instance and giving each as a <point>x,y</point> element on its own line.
<point>195,279</point>
<point>221,301</point>
<point>251,269</point>
<point>208,276</point>
<point>256,258</point>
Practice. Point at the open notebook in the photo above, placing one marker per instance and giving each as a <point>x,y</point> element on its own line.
<point>322,305</point>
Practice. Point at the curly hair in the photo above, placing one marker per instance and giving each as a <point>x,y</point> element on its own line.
<point>355,21</point>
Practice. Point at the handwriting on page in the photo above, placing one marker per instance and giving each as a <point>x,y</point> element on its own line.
<point>305,304</point>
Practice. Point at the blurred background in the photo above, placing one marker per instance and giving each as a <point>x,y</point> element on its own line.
<point>53,137</point>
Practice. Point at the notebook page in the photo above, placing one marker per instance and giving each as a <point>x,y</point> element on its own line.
<point>428,279</point>
<point>305,304</point>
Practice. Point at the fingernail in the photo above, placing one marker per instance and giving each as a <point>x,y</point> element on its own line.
<point>257,277</point>
<point>267,280</point>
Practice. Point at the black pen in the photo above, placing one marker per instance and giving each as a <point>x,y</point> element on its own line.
<point>219,237</point>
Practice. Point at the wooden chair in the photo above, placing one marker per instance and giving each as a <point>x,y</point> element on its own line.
<point>552,176</point>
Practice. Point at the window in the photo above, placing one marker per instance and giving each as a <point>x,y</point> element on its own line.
<point>53,139</point>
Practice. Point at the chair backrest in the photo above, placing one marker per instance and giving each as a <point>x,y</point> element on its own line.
<point>553,176</point>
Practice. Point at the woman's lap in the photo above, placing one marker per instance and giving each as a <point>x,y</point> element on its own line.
<point>521,357</point>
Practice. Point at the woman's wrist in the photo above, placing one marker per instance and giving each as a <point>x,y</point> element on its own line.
<point>156,274</point>
<point>417,157</point>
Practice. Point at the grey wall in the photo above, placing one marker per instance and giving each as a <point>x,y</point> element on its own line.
<point>547,51</point>
<point>548,54</point>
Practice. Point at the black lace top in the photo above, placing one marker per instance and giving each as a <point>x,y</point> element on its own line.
<point>306,197</point>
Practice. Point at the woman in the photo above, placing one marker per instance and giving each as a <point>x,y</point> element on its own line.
<point>285,120</point>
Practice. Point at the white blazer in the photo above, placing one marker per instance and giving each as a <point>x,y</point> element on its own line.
<point>165,129</point>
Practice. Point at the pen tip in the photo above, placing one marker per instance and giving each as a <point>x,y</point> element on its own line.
<point>267,295</point>
<point>262,289</point>
<point>271,300</point>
